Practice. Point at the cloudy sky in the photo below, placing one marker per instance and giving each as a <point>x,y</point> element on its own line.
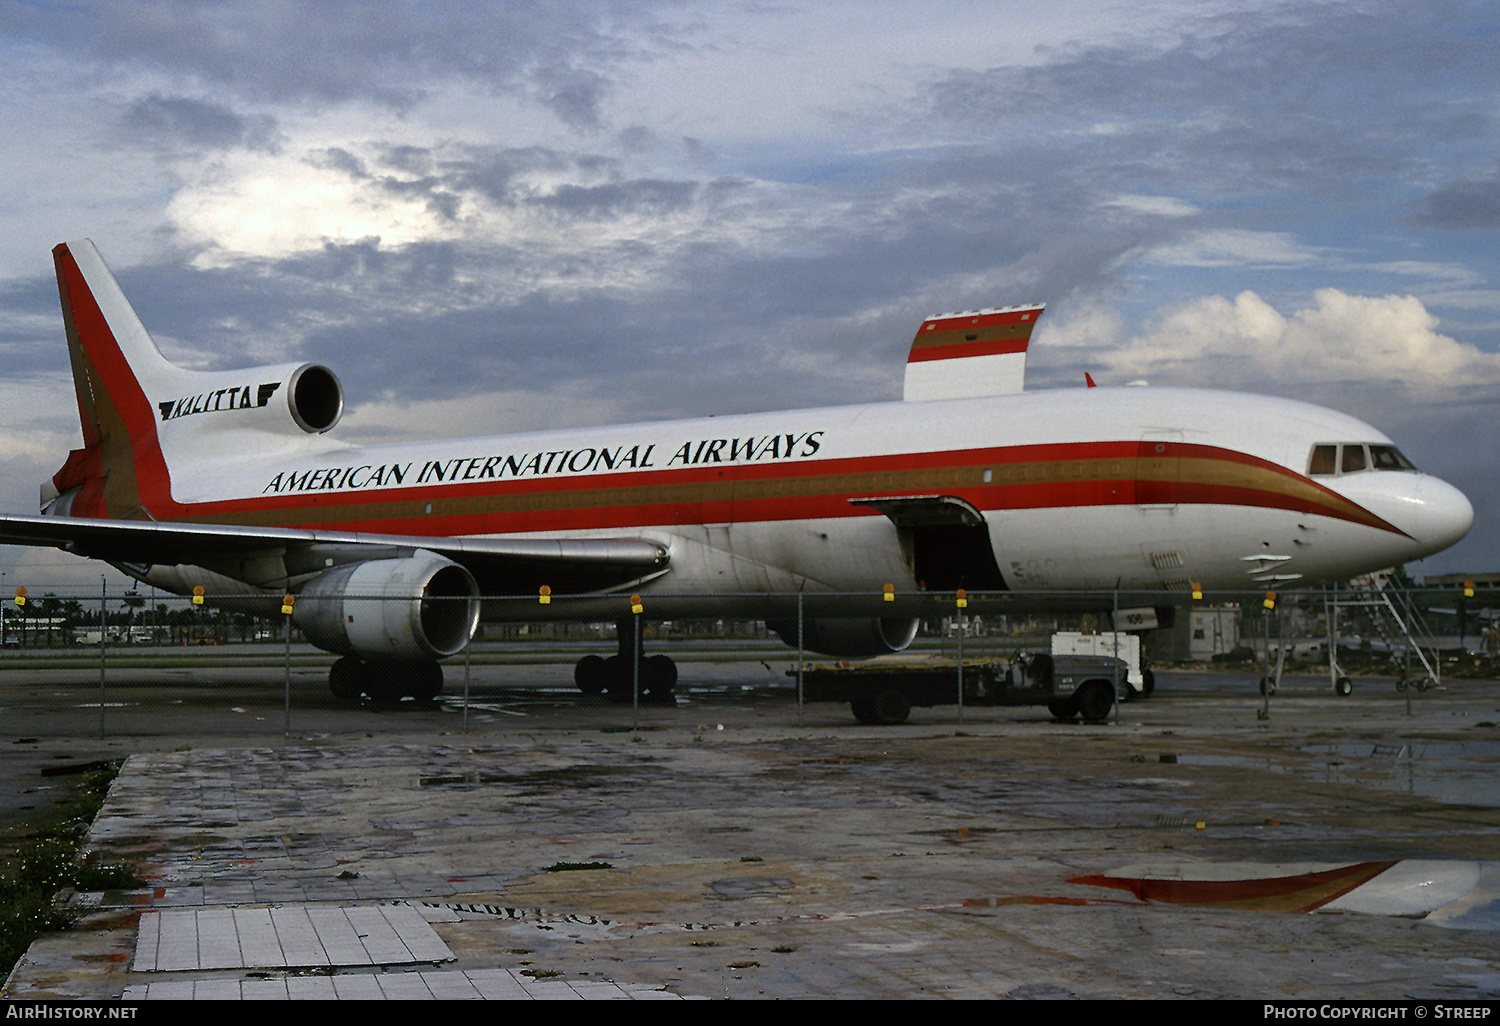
<point>499,216</point>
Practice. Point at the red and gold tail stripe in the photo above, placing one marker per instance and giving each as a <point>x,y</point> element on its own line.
<point>981,333</point>
<point>121,468</point>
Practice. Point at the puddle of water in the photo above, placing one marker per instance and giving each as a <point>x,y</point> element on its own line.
<point>1453,772</point>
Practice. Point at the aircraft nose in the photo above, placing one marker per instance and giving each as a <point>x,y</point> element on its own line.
<point>1436,514</point>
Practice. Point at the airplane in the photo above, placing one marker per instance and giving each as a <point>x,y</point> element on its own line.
<point>233,482</point>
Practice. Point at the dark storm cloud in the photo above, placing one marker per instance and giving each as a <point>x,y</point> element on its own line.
<point>28,303</point>
<point>618,199</point>
<point>177,121</point>
<point>387,53</point>
<point>1467,204</point>
<point>1245,103</point>
<point>573,94</point>
<point>494,172</point>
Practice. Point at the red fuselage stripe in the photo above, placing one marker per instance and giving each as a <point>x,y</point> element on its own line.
<point>1051,476</point>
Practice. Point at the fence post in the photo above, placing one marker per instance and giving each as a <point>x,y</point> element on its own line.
<point>286,611</point>
<point>1266,683</point>
<point>103,593</point>
<point>635,664</point>
<point>801,658</point>
<point>961,603</point>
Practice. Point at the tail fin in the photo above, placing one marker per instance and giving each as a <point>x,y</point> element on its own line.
<point>120,471</point>
<point>140,413</point>
<point>970,354</point>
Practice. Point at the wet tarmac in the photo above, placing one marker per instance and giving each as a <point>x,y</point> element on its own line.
<point>1203,844</point>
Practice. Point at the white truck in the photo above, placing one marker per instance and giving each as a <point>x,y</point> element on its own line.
<point>1121,646</point>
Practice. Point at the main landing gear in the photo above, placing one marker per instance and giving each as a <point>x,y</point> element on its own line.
<point>385,682</point>
<point>614,677</point>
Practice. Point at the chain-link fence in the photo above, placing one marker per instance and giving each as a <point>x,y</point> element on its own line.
<point>129,662</point>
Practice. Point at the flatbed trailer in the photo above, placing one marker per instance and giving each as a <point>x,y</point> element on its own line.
<point>1068,685</point>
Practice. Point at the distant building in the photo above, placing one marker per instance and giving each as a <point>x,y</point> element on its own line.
<point>1486,580</point>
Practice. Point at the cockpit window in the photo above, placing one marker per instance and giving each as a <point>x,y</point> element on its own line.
<point>1325,460</point>
<point>1351,458</point>
<point>1388,457</point>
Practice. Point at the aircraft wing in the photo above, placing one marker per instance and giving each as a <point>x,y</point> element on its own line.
<point>502,566</point>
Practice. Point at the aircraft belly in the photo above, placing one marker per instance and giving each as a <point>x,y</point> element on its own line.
<point>856,553</point>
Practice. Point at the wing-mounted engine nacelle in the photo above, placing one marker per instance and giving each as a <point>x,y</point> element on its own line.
<point>292,398</point>
<point>853,638</point>
<point>417,608</point>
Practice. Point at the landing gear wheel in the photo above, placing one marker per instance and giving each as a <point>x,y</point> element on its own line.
<point>1148,682</point>
<point>426,681</point>
<point>384,682</point>
<point>616,679</point>
<point>1343,686</point>
<point>346,678</point>
<point>658,678</point>
<point>589,675</point>
<point>1268,685</point>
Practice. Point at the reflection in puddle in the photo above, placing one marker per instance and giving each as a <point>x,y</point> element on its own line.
<point>1456,893</point>
<point>1305,892</point>
<point>1456,772</point>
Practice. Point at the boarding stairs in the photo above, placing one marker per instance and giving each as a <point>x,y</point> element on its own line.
<point>1388,611</point>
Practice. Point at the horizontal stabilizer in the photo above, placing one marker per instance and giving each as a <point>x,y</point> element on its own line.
<point>970,354</point>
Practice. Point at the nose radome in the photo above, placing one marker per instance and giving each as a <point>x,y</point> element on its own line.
<point>1439,515</point>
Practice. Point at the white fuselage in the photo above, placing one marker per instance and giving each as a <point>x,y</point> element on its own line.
<point>1134,488</point>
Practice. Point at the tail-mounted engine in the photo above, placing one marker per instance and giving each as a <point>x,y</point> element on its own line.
<point>849,638</point>
<point>292,398</point>
<point>418,608</point>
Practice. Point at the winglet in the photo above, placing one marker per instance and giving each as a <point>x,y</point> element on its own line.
<point>970,354</point>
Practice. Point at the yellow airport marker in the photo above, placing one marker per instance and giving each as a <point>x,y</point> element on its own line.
<point>545,596</point>
<point>198,595</point>
<point>890,593</point>
<point>963,599</point>
<point>286,604</point>
<point>20,596</point>
<point>1197,590</point>
<point>635,604</point>
<point>1468,589</point>
<point>1270,600</point>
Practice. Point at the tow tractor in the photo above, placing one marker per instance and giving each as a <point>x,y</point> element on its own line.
<point>1070,686</point>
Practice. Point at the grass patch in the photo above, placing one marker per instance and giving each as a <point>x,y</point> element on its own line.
<point>46,863</point>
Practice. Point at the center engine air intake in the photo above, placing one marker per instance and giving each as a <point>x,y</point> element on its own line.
<point>316,398</point>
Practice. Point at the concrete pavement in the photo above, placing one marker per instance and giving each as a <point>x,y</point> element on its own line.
<point>722,850</point>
